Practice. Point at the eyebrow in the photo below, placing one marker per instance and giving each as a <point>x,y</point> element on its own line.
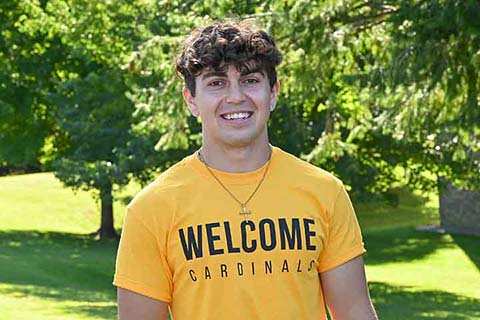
<point>254,70</point>
<point>219,73</point>
<point>214,73</point>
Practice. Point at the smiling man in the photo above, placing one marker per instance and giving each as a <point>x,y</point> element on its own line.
<point>240,229</point>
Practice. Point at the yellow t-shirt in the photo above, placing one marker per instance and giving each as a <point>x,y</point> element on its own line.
<point>185,242</point>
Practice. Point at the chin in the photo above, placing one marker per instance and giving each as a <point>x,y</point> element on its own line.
<point>241,141</point>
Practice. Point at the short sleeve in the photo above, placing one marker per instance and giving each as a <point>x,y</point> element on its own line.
<point>141,265</point>
<point>344,240</point>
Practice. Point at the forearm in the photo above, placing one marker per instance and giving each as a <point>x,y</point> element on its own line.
<point>361,311</point>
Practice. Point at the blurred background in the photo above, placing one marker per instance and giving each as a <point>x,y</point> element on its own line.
<point>384,94</point>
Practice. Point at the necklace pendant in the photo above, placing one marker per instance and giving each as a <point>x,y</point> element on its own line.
<point>245,211</point>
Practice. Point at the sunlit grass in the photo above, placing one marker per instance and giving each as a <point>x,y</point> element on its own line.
<point>424,275</point>
<point>70,275</point>
<point>41,202</point>
<point>18,302</point>
<point>426,262</point>
<point>413,209</point>
<point>50,269</point>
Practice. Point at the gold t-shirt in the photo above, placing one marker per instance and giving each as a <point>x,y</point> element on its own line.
<point>185,242</point>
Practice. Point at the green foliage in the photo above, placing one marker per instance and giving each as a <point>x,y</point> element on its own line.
<point>428,87</point>
<point>27,57</point>
<point>384,85</point>
<point>322,54</point>
<point>367,87</point>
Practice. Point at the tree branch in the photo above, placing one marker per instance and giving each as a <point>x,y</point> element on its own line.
<point>363,18</point>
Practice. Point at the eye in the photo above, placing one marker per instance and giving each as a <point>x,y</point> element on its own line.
<point>216,83</point>
<point>250,81</point>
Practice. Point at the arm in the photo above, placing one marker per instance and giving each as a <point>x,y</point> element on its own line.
<point>346,292</point>
<point>134,306</point>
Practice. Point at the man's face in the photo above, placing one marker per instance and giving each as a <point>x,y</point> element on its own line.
<point>234,106</point>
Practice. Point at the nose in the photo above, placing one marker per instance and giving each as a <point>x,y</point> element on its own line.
<point>235,94</point>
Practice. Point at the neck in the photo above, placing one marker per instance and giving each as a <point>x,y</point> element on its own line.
<point>236,159</point>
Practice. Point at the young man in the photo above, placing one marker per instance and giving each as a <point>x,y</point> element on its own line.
<point>240,229</point>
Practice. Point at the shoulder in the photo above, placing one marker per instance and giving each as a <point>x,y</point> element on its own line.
<point>305,179</point>
<point>301,170</point>
<point>159,196</point>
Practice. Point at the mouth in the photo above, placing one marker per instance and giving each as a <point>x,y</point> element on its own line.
<point>241,115</point>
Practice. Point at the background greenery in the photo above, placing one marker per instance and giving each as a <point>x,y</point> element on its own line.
<point>378,92</point>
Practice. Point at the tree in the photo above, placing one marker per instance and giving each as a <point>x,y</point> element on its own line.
<point>436,61</point>
<point>29,57</point>
<point>103,151</point>
<point>412,67</point>
<point>437,67</point>
<point>96,116</point>
<point>367,87</point>
<point>395,78</point>
<point>71,59</point>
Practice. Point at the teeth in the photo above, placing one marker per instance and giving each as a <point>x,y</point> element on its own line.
<point>238,115</point>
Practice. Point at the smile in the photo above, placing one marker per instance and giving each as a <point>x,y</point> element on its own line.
<point>237,116</point>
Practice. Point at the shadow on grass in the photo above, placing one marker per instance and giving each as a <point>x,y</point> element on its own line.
<point>403,245</point>
<point>399,302</point>
<point>470,245</point>
<point>73,270</point>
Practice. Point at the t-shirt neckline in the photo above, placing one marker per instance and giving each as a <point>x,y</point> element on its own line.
<point>229,177</point>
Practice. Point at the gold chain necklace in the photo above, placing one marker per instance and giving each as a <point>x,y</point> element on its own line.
<point>244,211</point>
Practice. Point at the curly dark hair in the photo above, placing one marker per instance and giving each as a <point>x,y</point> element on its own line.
<point>228,43</point>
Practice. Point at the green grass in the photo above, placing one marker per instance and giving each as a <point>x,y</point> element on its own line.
<point>50,269</point>
<point>52,275</point>
<point>40,202</point>
<point>415,274</point>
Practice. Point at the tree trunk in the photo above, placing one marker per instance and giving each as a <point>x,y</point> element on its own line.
<point>459,210</point>
<point>107,230</point>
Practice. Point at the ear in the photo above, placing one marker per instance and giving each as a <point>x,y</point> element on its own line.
<point>190,101</point>
<point>274,95</point>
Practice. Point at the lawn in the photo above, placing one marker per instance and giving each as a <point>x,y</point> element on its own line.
<point>51,269</point>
